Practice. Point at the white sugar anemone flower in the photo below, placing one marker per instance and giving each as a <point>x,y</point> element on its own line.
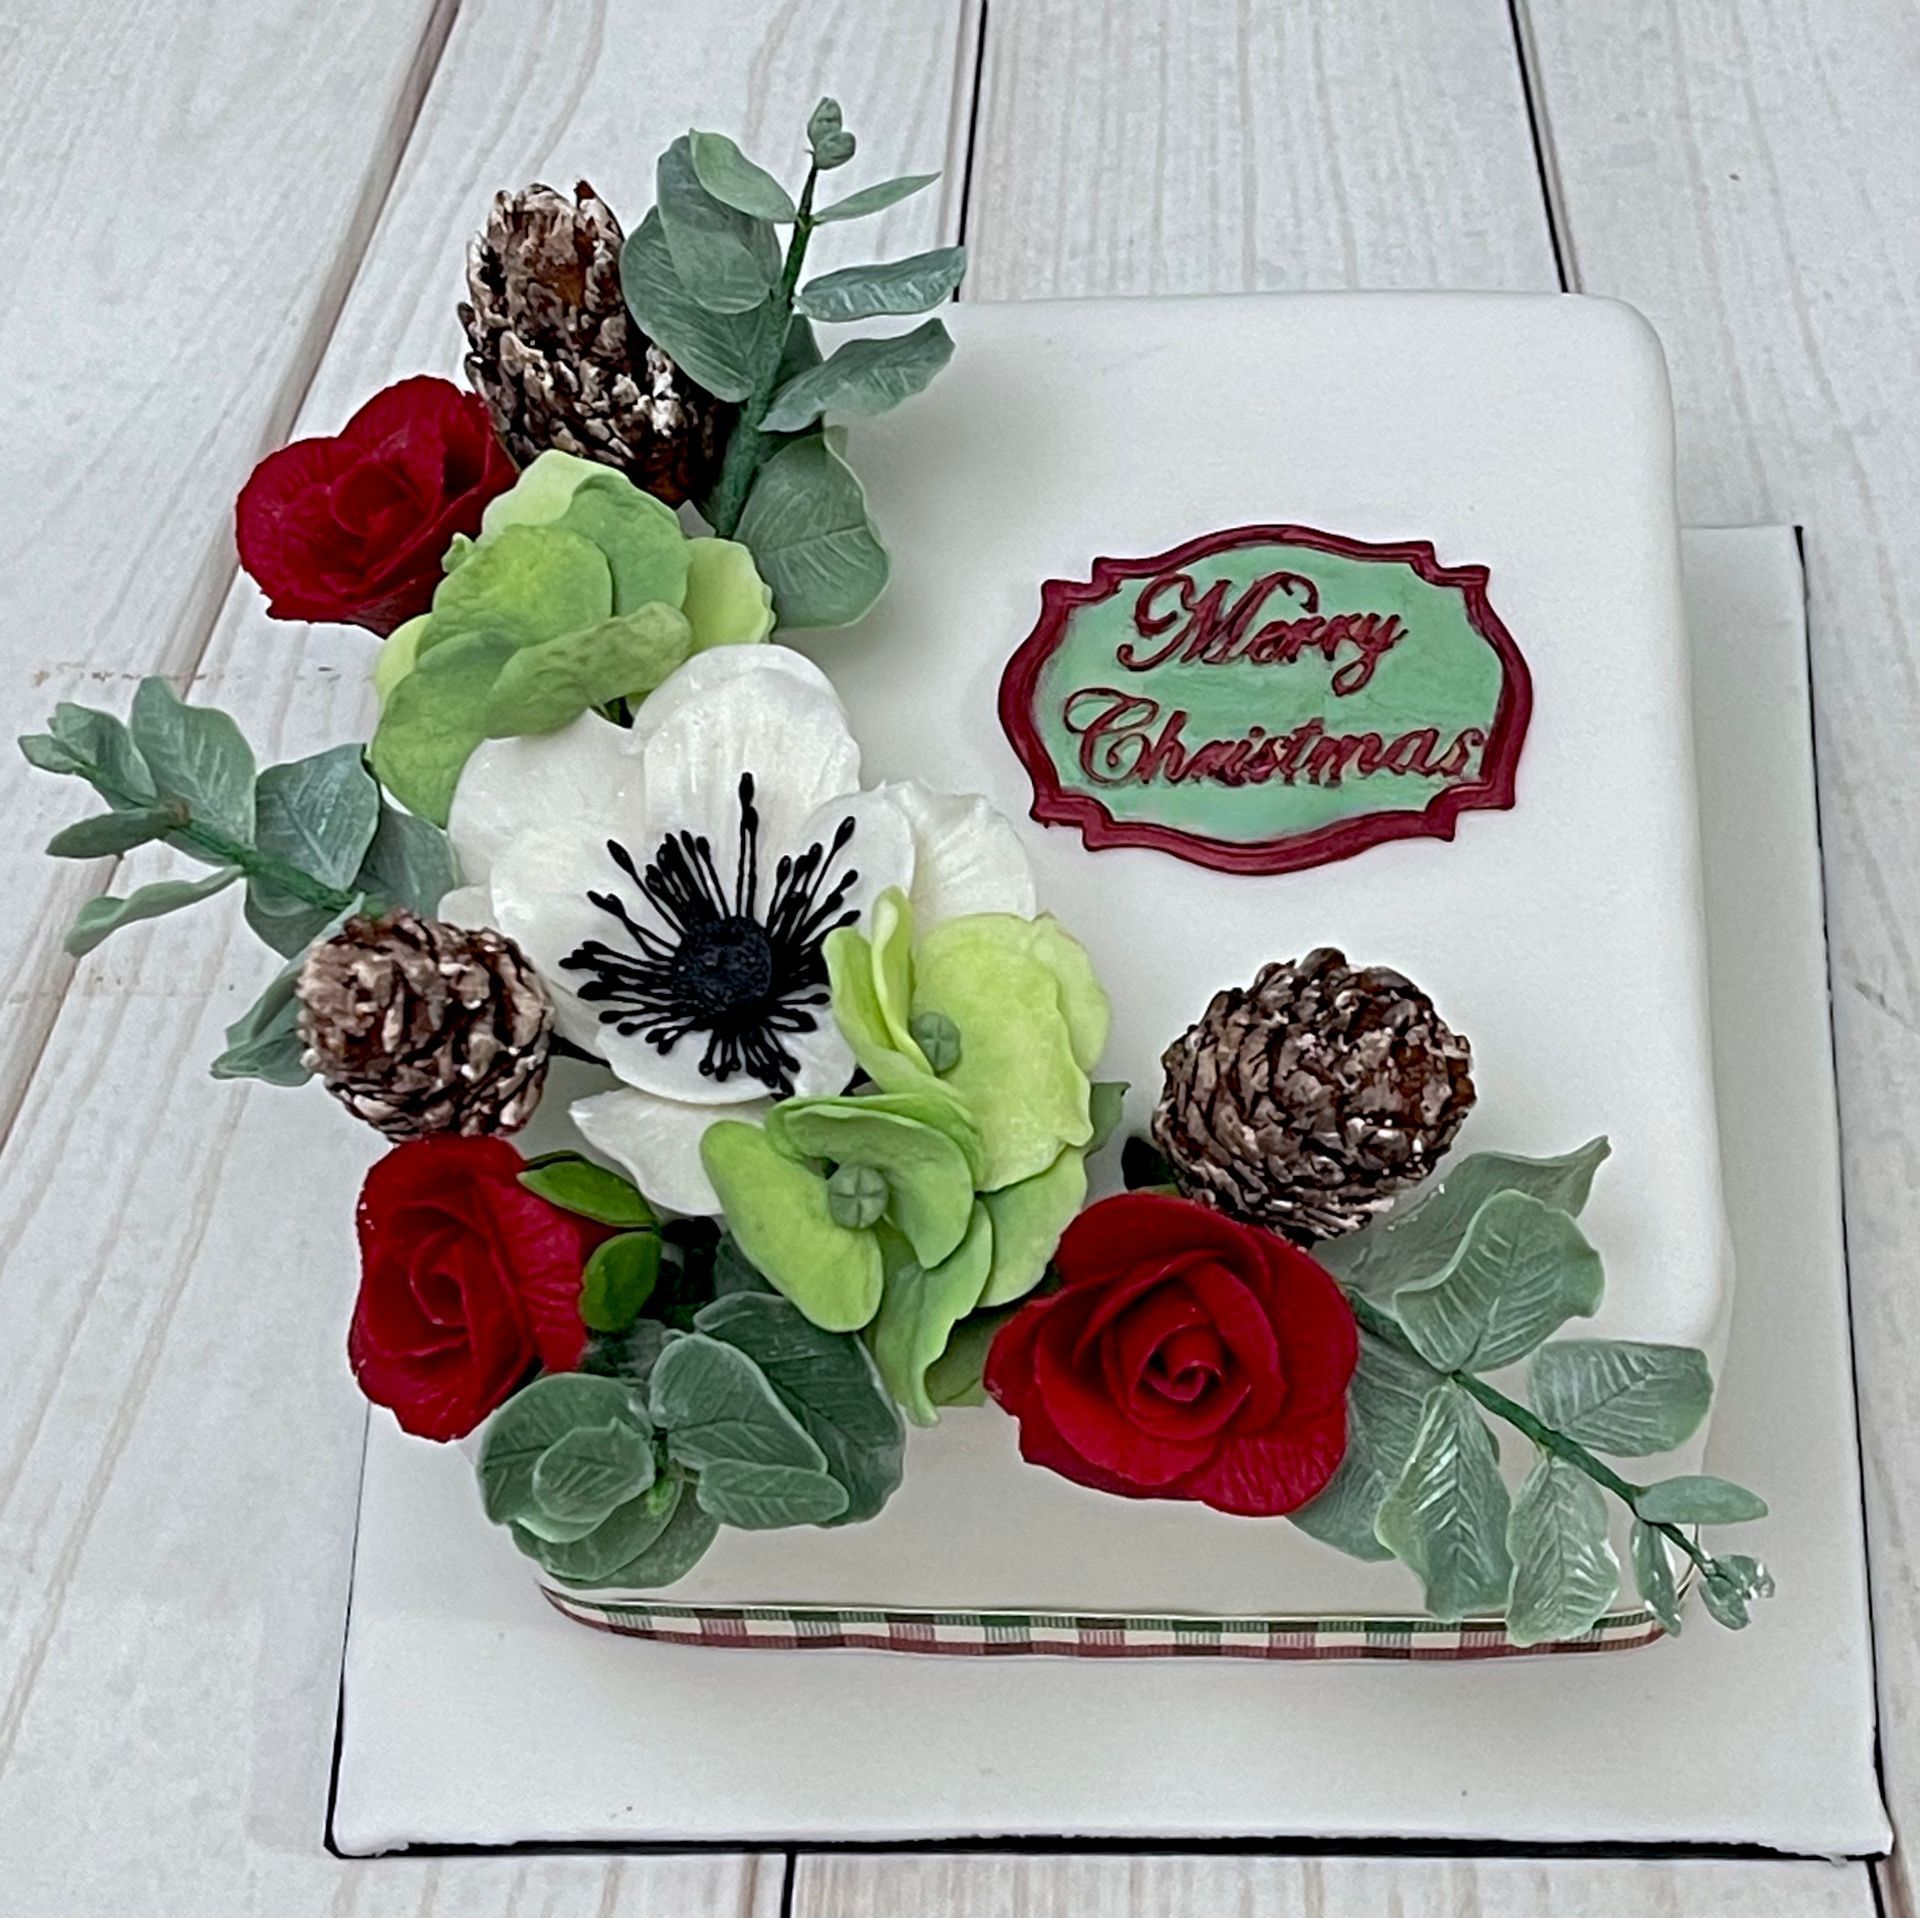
<point>674,885</point>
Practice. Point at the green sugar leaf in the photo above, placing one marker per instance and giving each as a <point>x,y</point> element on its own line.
<point>1416,1242</point>
<point>722,351</point>
<point>1729,1589</point>
<point>875,199</point>
<point>1385,1401</point>
<point>779,1212</point>
<point>863,378</point>
<point>264,1043</point>
<point>735,181</point>
<point>1521,1271</point>
<point>1696,1499</point>
<point>1565,1573</point>
<point>1446,1518</point>
<point>579,1185</point>
<point>542,688</point>
<point>1620,1397</point>
<point>728,261</point>
<point>807,526</point>
<point>766,1498</point>
<point>113,832</point>
<point>434,719</point>
<point>591,1469</point>
<point>524,584</point>
<point>954,1378</point>
<point>900,286</point>
<point>602,1555</point>
<point>919,1309</point>
<point>537,1417</point>
<point>108,913</point>
<point>89,744</point>
<point>1653,1573</point>
<point>285,924</point>
<point>1028,1219</point>
<point>1106,1106</point>
<point>675,1549</point>
<point>715,1403</point>
<point>195,754</point>
<point>618,1280</point>
<point>828,1381</point>
<point>409,863</point>
<point>828,140</point>
<point>319,815</point>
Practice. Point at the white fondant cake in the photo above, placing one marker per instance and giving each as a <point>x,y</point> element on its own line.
<point>1527,435</point>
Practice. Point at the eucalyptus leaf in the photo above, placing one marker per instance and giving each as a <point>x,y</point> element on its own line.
<point>618,1280</point>
<point>862,378</point>
<point>735,181</point>
<point>734,1272</point>
<point>722,351</point>
<point>829,1383</point>
<point>1416,1242</point>
<point>605,1555</point>
<point>1697,1499</point>
<point>579,1185</point>
<point>195,754</point>
<point>912,285</point>
<point>318,815</point>
<point>675,1549</point>
<point>726,260</point>
<point>828,140</point>
<point>765,1498</point>
<point>271,1050</point>
<point>1653,1573</point>
<point>108,913</point>
<point>874,199</point>
<point>1621,1397</point>
<point>96,747</point>
<point>715,1403</point>
<point>410,863</point>
<point>590,1469</point>
<point>113,832</point>
<point>1522,1270</point>
<point>807,526</point>
<point>289,926</point>
<point>1730,1588</point>
<point>1565,1573</point>
<point>538,1416</point>
<point>1446,1518</point>
<point>1385,1401</point>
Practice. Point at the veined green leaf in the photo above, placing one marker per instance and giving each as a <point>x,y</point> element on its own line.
<point>1564,1570</point>
<point>196,754</point>
<point>579,1185</point>
<point>409,863</point>
<point>94,745</point>
<point>875,199</point>
<point>899,286</point>
<point>1521,1271</point>
<point>541,1415</point>
<point>113,832</point>
<point>1697,1499</point>
<point>735,181</point>
<point>1728,1591</point>
<point>722,351</point>
<point>714,1403</point>
<point>806,524</point>
<point>107,914</point>
<point>862,378</point>
<point>1653,1573</point>
<point>619,1278</point>
<point>590,1469</point>
<point>1446,1519</point>
<point>1620,1397</point>
<point>726,260</point>
<point>318,814</point>
<point>765,1498</point>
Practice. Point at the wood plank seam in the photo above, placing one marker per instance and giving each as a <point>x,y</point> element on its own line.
<point>222,564</point>
<point>1545,159</point>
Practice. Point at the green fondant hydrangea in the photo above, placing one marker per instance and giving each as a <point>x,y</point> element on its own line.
<point>580,591</point>
<point>941,1186</point>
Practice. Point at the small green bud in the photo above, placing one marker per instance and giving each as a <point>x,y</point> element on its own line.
<point>857,1196</point>
<point>938,1037</point>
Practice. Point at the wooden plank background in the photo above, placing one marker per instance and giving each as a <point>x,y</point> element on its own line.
<point>232,221</point>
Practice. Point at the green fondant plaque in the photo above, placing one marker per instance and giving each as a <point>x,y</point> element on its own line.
<point>1267,698</point>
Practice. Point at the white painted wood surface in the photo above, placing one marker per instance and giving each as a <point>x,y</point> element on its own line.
<point>178,1432</point>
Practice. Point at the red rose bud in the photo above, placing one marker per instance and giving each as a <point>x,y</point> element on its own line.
<point>353,529</point>
<point>467,1280</point>
<point>1185,1356</point>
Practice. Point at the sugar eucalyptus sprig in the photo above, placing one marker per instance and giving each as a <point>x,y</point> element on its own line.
<point>708,278</point>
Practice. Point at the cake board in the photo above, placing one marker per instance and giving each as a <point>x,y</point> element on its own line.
<point>474,1715</point>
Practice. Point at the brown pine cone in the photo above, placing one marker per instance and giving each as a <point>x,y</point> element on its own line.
<point>558,359</point>
<point>1306,1101</point>
<point>418,1027</point>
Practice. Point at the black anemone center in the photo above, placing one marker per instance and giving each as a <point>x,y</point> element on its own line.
<point>714,962</point>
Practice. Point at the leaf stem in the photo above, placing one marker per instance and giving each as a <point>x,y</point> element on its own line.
<point>1383,1325</point>
<point>747,445</point>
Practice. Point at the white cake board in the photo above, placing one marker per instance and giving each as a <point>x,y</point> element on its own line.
<point>473,1715</point>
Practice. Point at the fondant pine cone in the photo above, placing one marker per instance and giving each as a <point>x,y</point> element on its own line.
<point>1307,1100</point>
<point>558,359</point>
<point>419,1027</point>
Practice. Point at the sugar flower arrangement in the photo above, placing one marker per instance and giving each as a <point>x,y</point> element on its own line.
<point>822,1168</point>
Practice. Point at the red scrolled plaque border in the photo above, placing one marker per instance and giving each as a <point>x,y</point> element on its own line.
<point>1224,635</point>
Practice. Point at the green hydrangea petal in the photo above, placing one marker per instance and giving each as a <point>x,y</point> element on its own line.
<point>639,536</point>
<point>727,603</point>
<point>890,944</point>
<point>541,494</point>
<point>929,1183</point>
<point>778,1215</point>
<point>542,688</point>
<point>851,974</point>
<point>933,1106</point>
<point>1083,1001</point>
<point>1028,1220</point>
<point>434,719</point>
<point>529,584</point>
<point>395,659</point>
<point>1017,1074</point>
<point>919,1309</point>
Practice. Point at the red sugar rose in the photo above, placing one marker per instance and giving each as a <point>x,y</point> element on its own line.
<point>1185,1356</point>
<point>466,1280</point>
<point>353,528</point>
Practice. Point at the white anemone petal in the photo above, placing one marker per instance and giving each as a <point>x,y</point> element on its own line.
<point>696,680</point>
<point>657,1141</point>
<point>967,856</point>
<point>581,773</point>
